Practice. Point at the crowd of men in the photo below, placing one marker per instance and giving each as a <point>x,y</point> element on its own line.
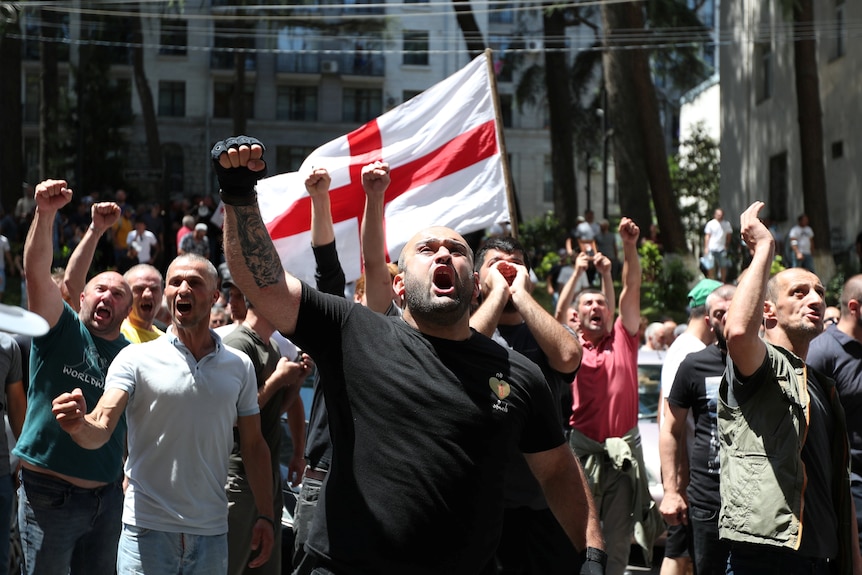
<point>456,425</point>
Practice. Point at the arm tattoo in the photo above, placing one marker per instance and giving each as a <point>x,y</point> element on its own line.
<point>257,248</point>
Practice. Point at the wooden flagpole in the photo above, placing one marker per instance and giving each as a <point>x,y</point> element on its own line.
<point>504,157</point>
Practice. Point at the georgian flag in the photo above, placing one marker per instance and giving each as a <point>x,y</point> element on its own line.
<point>446,169</point>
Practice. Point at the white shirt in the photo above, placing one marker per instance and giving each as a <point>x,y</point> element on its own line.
<point>803,236</point>
<point>717,232</point>
<point>145,244</point>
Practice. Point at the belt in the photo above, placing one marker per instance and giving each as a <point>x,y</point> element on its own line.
<point>315,473</point>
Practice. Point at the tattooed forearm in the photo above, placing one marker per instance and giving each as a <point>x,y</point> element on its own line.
<point>257,249</point>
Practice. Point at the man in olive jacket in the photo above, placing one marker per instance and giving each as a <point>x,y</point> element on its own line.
<point>785,486</point>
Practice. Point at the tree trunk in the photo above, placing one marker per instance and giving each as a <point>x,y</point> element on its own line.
<point>49,95</point>
<point>810,116</point>
<point>628,152</point>
<point>11,155</point>
<point>145,94</point>
<point>469,27</point>
<point>559,111</point>
<point>655,159</point>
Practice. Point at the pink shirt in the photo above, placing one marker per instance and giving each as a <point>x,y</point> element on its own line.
<point>605,390</point>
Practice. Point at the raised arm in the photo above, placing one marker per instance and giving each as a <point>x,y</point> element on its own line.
<point>378,282</point>
<point>604,267</point>
<point>317,186</point>
<point>103,216</point>
<point>254,263</point>
<point>43,295</point>
<point>745,314</point>
<point>630,296</point>
<point>567,294</point>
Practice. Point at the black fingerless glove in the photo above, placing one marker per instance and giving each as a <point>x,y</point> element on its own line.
<point>595,561</point>
<point>236,184</point>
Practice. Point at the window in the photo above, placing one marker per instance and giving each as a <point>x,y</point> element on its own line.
<point>32,97</point>
<point>360,105</point>
<point>415,48</point>
<point>229,37</point>
<point>839,43</point>
<point>500,13</point>
<point>778,187</point>
<point>124,89</point>
<point>763,63</point>
<point>290,158</point>
<point>548,188</point>
<point>174,37</point>
<point>506,109</point>
<point>172,99</point>
<point>296,103</point>
<point>174,170</point>
<point>503,60</point>
<point>223,99</point>
<point>409,94</point>
<point>837,149</point>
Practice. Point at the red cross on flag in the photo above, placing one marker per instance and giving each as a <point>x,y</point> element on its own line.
<point>446,168</point>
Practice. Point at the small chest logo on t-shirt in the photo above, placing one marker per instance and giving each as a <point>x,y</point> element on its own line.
<point>502,390</point>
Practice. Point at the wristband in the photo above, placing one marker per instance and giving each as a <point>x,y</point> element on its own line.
<point>594,561</point>
<point>237,184</point>
<point>268,519</point>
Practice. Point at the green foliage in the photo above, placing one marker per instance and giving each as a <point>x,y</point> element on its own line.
<point>543,268</point>
<point>695,177</point>
<point>651,261</point>
<point>835,286</point>
<point>665,281</point>
<point>540,236</point>
<point>777,265</point>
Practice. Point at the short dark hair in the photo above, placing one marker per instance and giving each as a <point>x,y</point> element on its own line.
<point>505,244</point>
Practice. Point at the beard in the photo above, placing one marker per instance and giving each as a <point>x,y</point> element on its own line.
<point>438,310</point>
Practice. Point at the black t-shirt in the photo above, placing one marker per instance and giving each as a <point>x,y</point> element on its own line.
<point>695,387</point>
<point>421,430</point>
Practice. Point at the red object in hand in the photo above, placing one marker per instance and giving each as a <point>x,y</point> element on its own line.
<point>508,271</point>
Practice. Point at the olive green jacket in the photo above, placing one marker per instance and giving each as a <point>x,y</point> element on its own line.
<point>763,477</point>
<point>624,454</point>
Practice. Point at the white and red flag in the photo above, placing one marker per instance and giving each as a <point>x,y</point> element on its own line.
<point>446,166</point>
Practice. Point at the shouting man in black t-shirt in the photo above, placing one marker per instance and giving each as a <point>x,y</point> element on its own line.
<point>422,409</point>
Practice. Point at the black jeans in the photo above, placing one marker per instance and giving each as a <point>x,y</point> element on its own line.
<point>710,554</point>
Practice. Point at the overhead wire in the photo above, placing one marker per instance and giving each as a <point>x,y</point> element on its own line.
<point>620,39</point>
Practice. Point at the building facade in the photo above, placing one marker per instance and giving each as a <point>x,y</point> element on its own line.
<point>304,85</point>
<point>760,156</point>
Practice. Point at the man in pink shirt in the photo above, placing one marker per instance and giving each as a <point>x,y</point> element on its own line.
<point>605,404</point>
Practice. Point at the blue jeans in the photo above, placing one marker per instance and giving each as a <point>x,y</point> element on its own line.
<point>162,553</point>
<point>765,560</point>
<point>67,529</point>
<point>709,553</point>
<point>7,499</point>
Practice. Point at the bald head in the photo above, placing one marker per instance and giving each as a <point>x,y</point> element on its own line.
<point>786,277</point>
<point>852,290</point>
